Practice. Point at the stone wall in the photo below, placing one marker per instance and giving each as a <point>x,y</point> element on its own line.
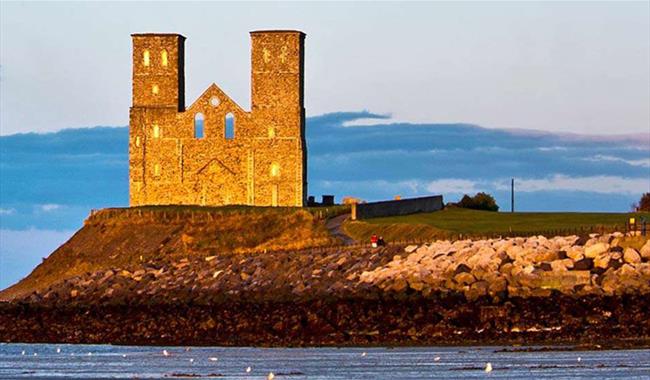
<point>396,207</point>
<point>214,152</point>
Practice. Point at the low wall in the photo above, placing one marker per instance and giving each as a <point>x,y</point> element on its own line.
<point>396,207</point>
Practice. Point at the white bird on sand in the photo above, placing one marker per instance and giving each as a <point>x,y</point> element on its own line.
<point>213,359</point>
<point>165,353</point>
<point>488,367</point>
<point>35,354</point>
<point>363,354</point>
<point>271,376</point>
<point>248,370</point>
<point>58,350</point>
<point>90,354</point>
<point>123,355</point>
<point>23,353</point>
<point>579,359</point>
<point>437,358</point>
<point>191,360</point>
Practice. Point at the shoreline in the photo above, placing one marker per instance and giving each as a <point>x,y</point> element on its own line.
<point>411,322</point>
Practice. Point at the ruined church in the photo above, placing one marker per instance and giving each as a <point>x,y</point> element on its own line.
<point>214,152</point>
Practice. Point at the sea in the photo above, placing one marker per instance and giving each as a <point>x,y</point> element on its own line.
<point>62,361</point>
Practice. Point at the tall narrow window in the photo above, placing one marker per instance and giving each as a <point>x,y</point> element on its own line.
<point>275,169</point>
<point>145,58</point>
<point>199,120</point>
<point>156,131</point>
<point>154,89</point>
<point>163,58</point>
<point>230,126</point>
<point>156,170</point>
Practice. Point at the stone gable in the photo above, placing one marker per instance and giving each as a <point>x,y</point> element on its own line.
<point>214,152</point>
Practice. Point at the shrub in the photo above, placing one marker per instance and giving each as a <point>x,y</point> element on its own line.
<point>480,201</point>
<point>644,203</point>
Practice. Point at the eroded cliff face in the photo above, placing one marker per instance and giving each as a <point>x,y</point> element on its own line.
<point>523,290</point>
<point>121,238</point>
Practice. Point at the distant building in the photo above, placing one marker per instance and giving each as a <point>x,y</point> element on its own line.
<point>214,152</point>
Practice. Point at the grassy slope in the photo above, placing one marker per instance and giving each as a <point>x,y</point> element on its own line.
<point>453,222</point>
<point>117,238</point>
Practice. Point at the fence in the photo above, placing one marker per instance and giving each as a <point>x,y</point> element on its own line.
<point>396,207</point>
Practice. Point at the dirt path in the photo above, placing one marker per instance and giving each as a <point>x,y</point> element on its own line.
<point>335,227</point>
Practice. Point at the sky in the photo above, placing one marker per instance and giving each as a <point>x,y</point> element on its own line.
<point>402,99</point>
<point>566,67</point>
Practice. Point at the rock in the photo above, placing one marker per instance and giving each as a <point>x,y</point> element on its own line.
<point>410,248</point>
<point>462,268</point>
<point>464,278</point>
<point>602,260</point>
<point>74,293</point>
<point>594,250</point>
<point>476,290</point>
<point>645,251</point>
<point>630,255</point>
<point>561,265</point>
<point>398,285</point>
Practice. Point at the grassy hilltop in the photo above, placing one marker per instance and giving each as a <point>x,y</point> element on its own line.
<point>122,237</point>
<point>459,222</point>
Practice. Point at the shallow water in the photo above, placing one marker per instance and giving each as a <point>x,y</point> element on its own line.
<point>106,361</point>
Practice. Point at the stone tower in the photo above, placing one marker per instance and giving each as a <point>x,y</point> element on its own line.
<point>214,152</point>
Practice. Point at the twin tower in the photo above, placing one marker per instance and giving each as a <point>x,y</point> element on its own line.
<point>214,152</point>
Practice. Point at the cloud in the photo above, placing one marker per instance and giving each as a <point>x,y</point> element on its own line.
<point>49,207</point>
<point>593,184</point>
<point>644,162</point>
<point>7,211</point>
<point>453,186</point>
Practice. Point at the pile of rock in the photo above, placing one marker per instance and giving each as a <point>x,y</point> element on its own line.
<point>524,267</point>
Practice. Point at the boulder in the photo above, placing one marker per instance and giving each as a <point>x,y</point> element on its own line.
<point>596,249</point>
<point>645,251</point>
<point>464,278</point>
<point>410,248</point>
<point>575,253</point>
<point>476,290</point>
<point>630,255</point>
<point>561,265</point>
<point>565,282</point>
<point>602,260</point>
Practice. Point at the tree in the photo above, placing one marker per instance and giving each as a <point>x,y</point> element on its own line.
<point>480,201</point>
<point>644,203</point>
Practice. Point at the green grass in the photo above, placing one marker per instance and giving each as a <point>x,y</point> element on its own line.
<point>453,222</point>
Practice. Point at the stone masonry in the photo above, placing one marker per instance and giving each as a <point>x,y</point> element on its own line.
<point>214,152</point>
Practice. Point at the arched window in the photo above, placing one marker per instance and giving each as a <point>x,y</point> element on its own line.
<point>163,58</point>
<point>154,89</point>
<point>156,170</point>
<point>271,132</point>
<point>156,131</point>
<point>199,120</point>
<point>230,126</point>
<point>145,58</point>
<point>275,169</point>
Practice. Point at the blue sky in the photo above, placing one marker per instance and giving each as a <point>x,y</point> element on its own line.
<point>461,98</point>
<point>559,66</point>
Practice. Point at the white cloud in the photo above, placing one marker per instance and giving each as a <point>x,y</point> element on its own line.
<point>645,162</point>
<point>594,184</point>
<point>452,185</point>
<point>49,207</point>
<point>7,211</point>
